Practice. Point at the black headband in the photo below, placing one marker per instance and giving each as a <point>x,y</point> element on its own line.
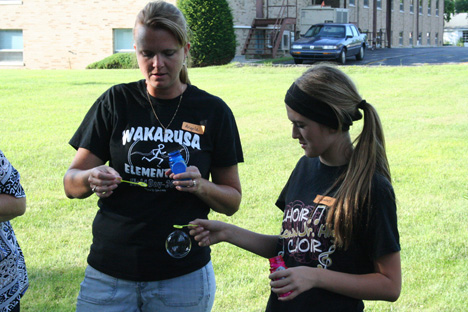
<point>316,110</point>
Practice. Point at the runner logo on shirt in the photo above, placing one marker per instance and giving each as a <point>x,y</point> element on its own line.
<point>148,153</point>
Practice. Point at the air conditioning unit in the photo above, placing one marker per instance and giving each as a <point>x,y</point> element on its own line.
<point>341,16</point>
<point>288,37</point>
<point>316,14</point>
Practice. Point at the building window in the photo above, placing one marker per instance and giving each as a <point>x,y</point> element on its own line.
<point>352,2</point>
<point>437,7</point>
<point>465,36</point>
<point>402,6</point>
<point>400,38</point>
<point>420,7</point>
<point>379,4</point>
<point>366,3</point>
<point>429,7</point>
<point>11,46</point>
<point>428,37</point>
<point>411,6</point>
<point>123,40</point>
<point>391,5</point>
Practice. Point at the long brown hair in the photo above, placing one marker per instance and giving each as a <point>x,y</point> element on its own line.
<point>160,14</point>
<point>352,197</point>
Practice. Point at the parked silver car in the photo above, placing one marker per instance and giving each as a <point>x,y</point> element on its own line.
<point>330,42</point>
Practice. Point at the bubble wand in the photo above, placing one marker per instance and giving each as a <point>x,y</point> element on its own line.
<point>177,226</point>
<point>142,184</point>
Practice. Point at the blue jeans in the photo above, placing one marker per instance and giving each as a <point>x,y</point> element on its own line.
<point>193,292</point>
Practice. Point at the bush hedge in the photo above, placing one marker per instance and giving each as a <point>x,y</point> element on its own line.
<point>118,60</point>
<point>213,41</point>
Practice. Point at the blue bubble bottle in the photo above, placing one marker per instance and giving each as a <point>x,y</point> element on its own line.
<point>177,162</point>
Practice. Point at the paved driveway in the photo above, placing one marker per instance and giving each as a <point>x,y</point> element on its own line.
<point>411,56</point>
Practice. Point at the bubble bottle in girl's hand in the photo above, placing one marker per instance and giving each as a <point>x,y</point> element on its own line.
<point>277,264</point>
<point>177,162</point>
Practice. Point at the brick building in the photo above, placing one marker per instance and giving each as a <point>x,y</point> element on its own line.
<point>411,22</point>
<point>63,34</point>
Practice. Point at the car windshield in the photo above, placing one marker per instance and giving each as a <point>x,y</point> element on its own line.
<point>330,31</point>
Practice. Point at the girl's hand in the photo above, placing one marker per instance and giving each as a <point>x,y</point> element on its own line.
<point>103,180</point>
<point>295,280</point>
<point>189,181</point>
<point>209,232</point>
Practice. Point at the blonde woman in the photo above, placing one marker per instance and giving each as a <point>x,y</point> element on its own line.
<point>339,235</point>
<point>134,127</point>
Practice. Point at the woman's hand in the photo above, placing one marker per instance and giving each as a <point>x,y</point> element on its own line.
<point>222,193</point>
<point>209,232</point>
<point>189,181</point>
<point>295,280</point>
<point>87,174</point>
<point>103,180</point>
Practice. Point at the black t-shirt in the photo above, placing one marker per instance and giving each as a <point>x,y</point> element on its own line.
<point>307,241</point>
<point>131,226</point>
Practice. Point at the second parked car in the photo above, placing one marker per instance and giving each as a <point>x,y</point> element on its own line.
<point>330,42</point>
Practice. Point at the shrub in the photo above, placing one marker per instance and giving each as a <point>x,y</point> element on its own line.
<point>213,41</point>
<point>118,60</point>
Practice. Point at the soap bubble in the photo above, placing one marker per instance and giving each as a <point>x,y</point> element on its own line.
<point>178,244</point>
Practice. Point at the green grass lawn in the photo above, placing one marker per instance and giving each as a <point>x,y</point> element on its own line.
<point>424,111</point>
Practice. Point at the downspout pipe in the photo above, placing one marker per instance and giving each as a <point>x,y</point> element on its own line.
<point>374,23</point>
<point>389,23</point>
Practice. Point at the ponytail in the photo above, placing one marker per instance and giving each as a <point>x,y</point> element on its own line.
<point>353,197</point>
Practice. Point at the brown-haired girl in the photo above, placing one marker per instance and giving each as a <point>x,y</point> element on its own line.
<point>339,236</point>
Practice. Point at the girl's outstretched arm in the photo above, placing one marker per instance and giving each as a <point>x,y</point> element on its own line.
<point>210,232</point>
<point>383,284</point>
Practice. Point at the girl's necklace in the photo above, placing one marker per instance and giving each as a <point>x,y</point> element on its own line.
<point>155,115</point>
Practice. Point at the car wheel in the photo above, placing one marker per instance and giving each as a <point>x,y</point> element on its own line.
<point>296,61</point>
<point>360,55</point>
<point>342,57</point>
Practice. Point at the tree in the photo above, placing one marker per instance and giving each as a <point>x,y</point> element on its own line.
<point>461,6</point>
<point>449,9</point>
<point>213,41</point>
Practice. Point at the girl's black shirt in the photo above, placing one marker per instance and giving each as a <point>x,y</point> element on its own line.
<point>307,241</point>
